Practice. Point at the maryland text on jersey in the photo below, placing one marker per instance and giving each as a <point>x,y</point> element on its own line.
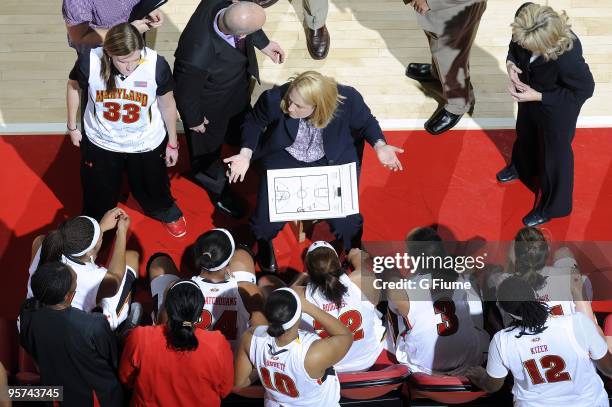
<point>120,93</point>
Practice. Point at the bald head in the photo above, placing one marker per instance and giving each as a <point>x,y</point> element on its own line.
<point>243,18</point>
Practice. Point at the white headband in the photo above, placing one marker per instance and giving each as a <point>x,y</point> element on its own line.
<point>96,236</point>
<point>320,243</point>
<point>298,310</point>
<point>226,262</point>
<point>515,317</point>
<point>191,282</point>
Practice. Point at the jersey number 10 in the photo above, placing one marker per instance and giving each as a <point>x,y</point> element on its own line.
<point>282,383</point>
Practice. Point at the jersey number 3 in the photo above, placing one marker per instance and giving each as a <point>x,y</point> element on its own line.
<point>112,112</point>
<point>554,373</point>
<point>352,319</point>
<point>450,323</point>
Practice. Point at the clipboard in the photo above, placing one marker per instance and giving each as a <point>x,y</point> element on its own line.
<point>145,7</point>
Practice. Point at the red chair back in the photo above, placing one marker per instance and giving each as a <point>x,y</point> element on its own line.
<point>9,341</point>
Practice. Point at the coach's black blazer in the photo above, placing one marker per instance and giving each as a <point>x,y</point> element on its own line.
<point>566,82</point>
<point>267,129</point>
<point>209,73</point>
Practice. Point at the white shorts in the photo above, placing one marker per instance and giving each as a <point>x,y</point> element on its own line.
<point>109,305</point>
<point>159,285</point>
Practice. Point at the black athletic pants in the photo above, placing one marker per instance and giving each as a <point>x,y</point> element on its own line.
<point>102,173</point>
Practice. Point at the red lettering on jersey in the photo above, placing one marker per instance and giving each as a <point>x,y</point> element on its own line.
<point>331,306</point>
<point>450,323</point>
<point>227,301</point>
<point>539,349</point>
<point>352,319</point>
<point>277,365</point>
<point>145,99</point>
<point>554,373</point>
<point>227,323</point>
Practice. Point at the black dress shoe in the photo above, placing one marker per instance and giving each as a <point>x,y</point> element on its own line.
<point>265,3</point>
<point>229,204</point>
<point>317,42</point>
<point>266,257</point>
<point>507,174</point>
<point>535,218</point>
<point>420,72</point>
<point>442,121</point>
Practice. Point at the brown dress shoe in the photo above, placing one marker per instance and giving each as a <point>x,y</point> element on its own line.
<point>317,42</point>
<point>265,3</point>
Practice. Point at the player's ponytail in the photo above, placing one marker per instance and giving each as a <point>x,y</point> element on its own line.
<point>531,253</point>
<point>121,40</point>
<point>214,250</point>
<point>426,243</point>
<point>283,310</point>
<point>517,298</point>
<point>72,236</point>
<point>184,302</point>
<point>324,270</point>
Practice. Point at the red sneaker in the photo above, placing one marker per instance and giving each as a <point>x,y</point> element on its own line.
<point>177,228</point>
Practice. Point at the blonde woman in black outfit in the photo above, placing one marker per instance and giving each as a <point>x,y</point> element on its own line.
<point>551,81</point>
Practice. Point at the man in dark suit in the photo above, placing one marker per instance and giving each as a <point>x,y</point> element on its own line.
<point>215,60</point>
<point>311,121</point>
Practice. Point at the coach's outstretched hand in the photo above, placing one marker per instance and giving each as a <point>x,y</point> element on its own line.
<point>238,165</point>
<point>387,155</point>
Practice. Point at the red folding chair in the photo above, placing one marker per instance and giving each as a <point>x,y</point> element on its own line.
<point>443,389</point>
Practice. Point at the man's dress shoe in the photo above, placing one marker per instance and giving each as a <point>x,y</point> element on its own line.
<point>441,121</point>
<point>266,257</point>
<point>229,204</point>
<point>317,42</point>
<point>420,72</point>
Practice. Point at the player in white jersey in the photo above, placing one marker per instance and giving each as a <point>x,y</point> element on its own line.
<point>76,243</point>
<point>226,276</point>
<point>552,358</point>
<point>552,284</point>
<point>294,366</point>
<point>340,295</point>
<point>129,123</point>
<point>440,330</point>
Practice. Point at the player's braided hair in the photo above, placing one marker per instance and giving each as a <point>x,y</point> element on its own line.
<point>324,270</point>
<point>122,39</point>
<point>516,297</point>
<point>184,303</point>
<point>72,236</point>
<point>531,253</point>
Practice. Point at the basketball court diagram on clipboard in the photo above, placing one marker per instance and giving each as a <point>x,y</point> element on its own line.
<point>313,192</point>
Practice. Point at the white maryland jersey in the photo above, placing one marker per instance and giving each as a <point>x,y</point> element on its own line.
<point>126,119</point>
<point>556,291</point>
<point>442,335</point>
<point>282,372</point>
<point>359,316</point>
<point>223,309</point>
<point>89,277</point>
<point>552,368</point>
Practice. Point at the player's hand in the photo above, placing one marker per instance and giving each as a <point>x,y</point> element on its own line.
<point>155,18</point>
<point>110,218</point>
<point>201,128</point>
<point>387,155</point>
<point>301,292</point>
<point>238,166</point>
<point>141,25</point>
<point>75,137</point>
<point>123,223</point>
<point>274,52</point>
<point>420,6</point>
<point>524,93</point>
<point>475,374</point>
<point>354,257</point>
<point>172,155</point>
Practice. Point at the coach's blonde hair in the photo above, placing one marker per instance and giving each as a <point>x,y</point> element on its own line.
<point>317,90</point>
<point>120,40</point>
<point>541,29</point>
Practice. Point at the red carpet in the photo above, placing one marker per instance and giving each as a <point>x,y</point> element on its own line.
<point>448,180</point>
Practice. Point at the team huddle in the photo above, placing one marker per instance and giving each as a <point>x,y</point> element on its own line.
<point>295,338</point>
